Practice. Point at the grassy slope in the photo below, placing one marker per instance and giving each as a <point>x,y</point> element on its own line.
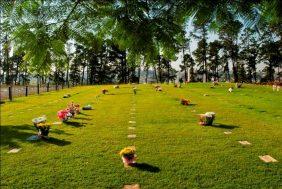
<point>84,153</point>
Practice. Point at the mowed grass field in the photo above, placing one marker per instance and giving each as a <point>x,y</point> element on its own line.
<point>174,151</point>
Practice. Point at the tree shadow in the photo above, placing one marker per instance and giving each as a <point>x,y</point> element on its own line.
<point>56,141</point>
<point>75,124</point>
<point>223,126</point>
<point>12,136</point>
<point>146,167</point>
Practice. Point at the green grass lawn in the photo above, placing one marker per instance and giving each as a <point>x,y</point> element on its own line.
<point>174,151</point>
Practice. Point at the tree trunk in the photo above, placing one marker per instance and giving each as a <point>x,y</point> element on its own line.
<point>168,72</point>
<point>147,73</point>
<point>235,71</point>
<point>155,73</point>
<point>139,73</point>
<point>67,76</point>
<point>160,69</point>
<point>82,78</point>
<point>185,74</point>
<point>205,72</point>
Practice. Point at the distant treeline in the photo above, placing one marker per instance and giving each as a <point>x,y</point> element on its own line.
<point>96,42</point>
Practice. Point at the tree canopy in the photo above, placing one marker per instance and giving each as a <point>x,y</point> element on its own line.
<point>40,29</point>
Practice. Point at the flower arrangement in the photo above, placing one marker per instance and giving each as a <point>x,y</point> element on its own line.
<point>128,155</point>
<point>207,118</point>
<point>104,91</point>
<point>41,126</point>
<point>158,88</point>
<point>73,109</point>
<point>64,115</point>
<point>184,102</point>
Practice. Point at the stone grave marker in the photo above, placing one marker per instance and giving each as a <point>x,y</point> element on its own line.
<point>268,159</point>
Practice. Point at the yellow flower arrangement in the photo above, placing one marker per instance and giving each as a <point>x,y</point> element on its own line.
<point>128,151</point>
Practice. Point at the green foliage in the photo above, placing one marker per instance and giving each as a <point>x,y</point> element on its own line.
<point>40,29</point>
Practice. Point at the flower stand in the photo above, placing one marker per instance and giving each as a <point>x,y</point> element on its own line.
<point>128,160</point>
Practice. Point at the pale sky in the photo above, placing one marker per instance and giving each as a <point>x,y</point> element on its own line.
<point>193,46</point>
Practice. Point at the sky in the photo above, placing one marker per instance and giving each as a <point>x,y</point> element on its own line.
<point>193,45</point>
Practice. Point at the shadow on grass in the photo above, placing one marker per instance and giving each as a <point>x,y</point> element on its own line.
<point>124,93</point>
<point>56,141</point>
<point>223,126</point>
<point>83,118</point>
<point>81,113</point>
<point>12,136</point>
<point>75,124</point>
<point>192,105</point>
<point>59,132</point>
<point>146,167</point>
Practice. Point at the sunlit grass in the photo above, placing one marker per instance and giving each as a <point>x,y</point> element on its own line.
<point>177,151</point>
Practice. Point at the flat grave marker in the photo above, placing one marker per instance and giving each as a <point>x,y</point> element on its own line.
<point>227,132</point>
<point>267,159</point>
<point>33,138</point>
<point>14,150</point>
<point>131,128</point>
<point>132,122</point>
<point>131,186</point>
<point>131,136</point>
<point>244,142</point>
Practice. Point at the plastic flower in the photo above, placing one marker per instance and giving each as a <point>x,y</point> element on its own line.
<point>210,114</point>
<point>128,151</point>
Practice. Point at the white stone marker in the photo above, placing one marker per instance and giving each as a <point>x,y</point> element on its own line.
<point>227,132</point>
<point>267,159</point>
<point>15,150</point>
<point>244,142</point>
<point>131,136</point>
<point>131,128</point>
<point>132,122</point>
<point>131,186</point>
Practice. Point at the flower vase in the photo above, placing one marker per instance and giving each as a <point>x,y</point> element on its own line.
<point>206,119</point>
<point>43,131</point>
<point>209,121</point>
<point>128,160</point>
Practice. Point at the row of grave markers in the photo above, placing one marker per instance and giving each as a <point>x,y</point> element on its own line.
<point>265,158</point>
<point>132,134</point>
<point>34,137</point>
